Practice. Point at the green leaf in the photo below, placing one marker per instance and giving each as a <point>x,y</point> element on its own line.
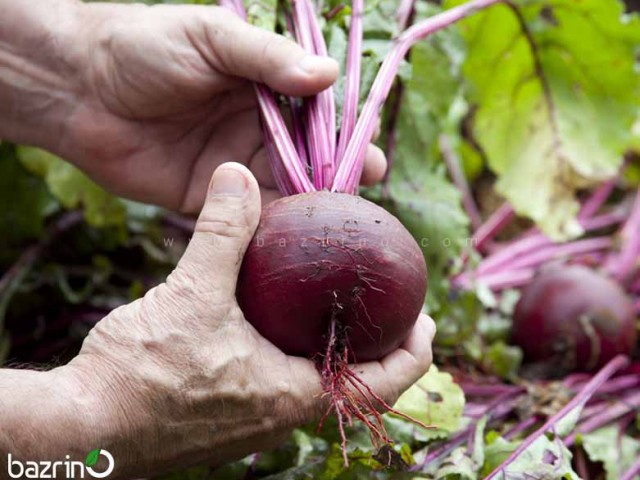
<point>429,206</point>
<point>503,360</point>
<point>435,400</point>
<point>556,95</point>
<point>497,450</point>
<point>477,455</point>
<point>73,188</point>
<point>616,452</point>
<point>545,459</point>
<point>462,464</point>
<point>24,201</point>
<point>92,458</point>
<point>458,466</point>
<point>566,425</point>
<point>262,13</point>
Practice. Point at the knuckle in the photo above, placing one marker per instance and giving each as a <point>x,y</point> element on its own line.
<point>224,217</point>
<point>221,227</point>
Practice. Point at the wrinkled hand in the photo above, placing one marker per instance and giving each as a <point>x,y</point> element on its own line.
<point>163,98</point>
<point>181,377</point>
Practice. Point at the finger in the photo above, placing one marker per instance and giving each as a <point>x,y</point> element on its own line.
<point>411,361</point>
<point>375,166</point>
<point>223,231</point>
<point>403,367</point>
<point>387,378</point>
<point>236,48</point>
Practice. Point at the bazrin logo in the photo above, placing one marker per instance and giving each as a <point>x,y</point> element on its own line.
<point>62,469</point>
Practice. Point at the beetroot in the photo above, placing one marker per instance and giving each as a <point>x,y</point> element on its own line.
<point>573,318</point>
<point>331,276</point>
<point>321,258</point>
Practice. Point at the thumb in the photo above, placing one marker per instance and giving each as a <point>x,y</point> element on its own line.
<point>223,231</point>
<point>237,48</point>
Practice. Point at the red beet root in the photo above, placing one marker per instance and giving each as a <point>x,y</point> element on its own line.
<point>333,277</point>
<point>573,318</point>
<point>322,257</point>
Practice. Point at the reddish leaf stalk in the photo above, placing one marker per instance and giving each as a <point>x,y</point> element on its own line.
<point>633,472</point>
<point>299,138</point>
<point>517,270</point>
<point>493,225</point>
<point>497,262</point>
<point>608,412</point>
<point>352,78</point>
<point>578,401</point>
<point>535,239</point>
<point>628,260</point>
<point>326,97</point>
<point>500,280</point>
<point>558,252</point>
<point>596,200</point>
<point>404,13</point>
<point>278,132</point>
<point>521,427</point>
<point>282,142</point>
<point>318,135</point>
<point>283,181</point>
<point>457,176</point>
<point>404,18</point>
<point>350,170</point>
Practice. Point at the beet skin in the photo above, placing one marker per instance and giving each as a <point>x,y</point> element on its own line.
<point>321,256</point>
<point>574,319</point>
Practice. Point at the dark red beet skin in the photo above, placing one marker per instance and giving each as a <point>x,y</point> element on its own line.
<point>574,318</point>
<point>318,256</point>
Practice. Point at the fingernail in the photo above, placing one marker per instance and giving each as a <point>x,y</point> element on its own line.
<point>228,181</point>
<point>312,64</point>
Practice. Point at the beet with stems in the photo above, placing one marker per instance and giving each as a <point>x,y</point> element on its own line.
<point>323,257</point>
<point>573,318</point>
<point>331,276</point>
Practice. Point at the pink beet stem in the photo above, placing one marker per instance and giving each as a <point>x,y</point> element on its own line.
<point>403,14</point>
<point>608,413</point>
<point>600,195</point>
<point>558,251</point>
<point>287,161</point>
<point>578,401</point>
<point>527,245</point>
<point>459,180</point>
<point>282,140</point>
<point>493,225</point>
<point>317,113</point>
<point>628,260</point>
<point>352,78</point>
<point>633,472</point>
<point>348,174</point>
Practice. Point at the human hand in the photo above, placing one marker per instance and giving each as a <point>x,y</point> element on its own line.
<point>149,100</point>
<point>180,377</point>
